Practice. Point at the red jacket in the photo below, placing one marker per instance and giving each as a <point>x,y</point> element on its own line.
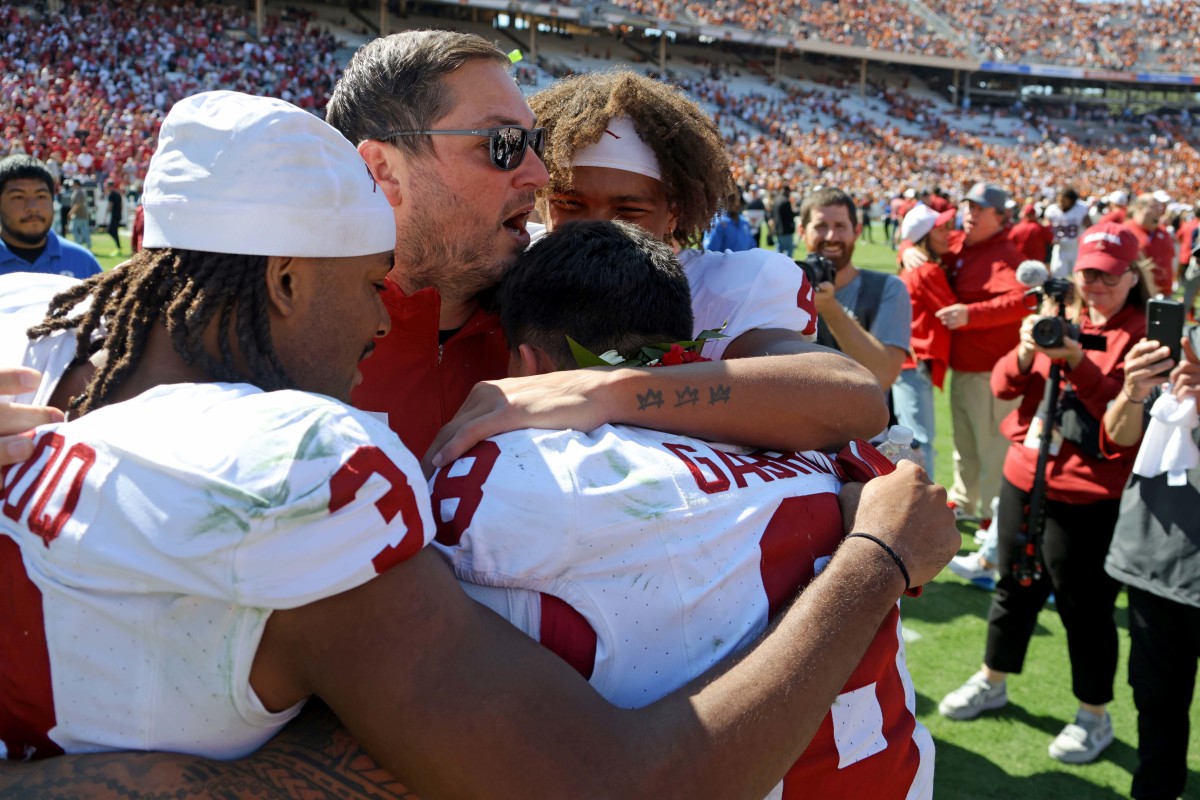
<point>1159,248</point>
<point>984,277</point>
<point>929,291</point>
<point>1185,237</point>
<point>1117,215</point>
<point>1032,239</point>
<point>1071,476</point>
<point>419,383</point>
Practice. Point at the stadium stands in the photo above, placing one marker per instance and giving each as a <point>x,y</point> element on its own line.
<point>86,90</point>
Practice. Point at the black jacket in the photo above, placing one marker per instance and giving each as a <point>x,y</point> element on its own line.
<point>1156,545</point>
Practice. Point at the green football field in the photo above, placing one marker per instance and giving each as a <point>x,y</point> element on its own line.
<point>1002,754</point>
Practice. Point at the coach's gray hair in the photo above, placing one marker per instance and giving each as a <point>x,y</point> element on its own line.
<point>395,83</point>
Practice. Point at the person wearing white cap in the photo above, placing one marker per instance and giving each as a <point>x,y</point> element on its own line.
<point>194,490</point>
<point>1118,200</point>
<point>929,290</point>
<point>188,586</point>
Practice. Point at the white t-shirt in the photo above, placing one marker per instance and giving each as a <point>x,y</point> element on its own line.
<point>671,555</point>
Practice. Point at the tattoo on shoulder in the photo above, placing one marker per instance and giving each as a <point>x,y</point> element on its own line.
<point>653,398</point>
<point>719,394</point>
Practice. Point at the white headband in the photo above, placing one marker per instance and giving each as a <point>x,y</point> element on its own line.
<point>620,147</point>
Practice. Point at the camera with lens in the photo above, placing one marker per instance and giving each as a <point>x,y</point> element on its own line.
<point>819,269</point>
<point>1050,332</point>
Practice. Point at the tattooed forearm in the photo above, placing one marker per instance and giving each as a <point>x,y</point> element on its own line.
<point>719,394</point>
<point>687,396</point>
<point>312,759</point>
<point>653,398</point>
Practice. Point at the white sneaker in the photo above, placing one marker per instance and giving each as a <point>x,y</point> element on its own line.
<point>1084,739</point>
<point>973,698</point>
<point>971,567</point>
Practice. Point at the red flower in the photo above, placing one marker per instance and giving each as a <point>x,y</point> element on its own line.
<point>676,355</point>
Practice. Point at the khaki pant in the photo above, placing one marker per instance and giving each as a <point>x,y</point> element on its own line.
<point>979,448</point>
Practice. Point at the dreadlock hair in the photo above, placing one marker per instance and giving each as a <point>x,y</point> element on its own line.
<point>690,151</point>
<point>185,290</point>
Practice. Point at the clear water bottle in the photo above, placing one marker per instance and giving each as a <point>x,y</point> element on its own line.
<point>898,446</point>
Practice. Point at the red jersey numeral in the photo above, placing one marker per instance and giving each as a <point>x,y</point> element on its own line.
<point>466,488</point>
<point>398,499</point>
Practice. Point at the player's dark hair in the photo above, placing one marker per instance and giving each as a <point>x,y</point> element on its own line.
<point>823,198</point>
<point>1069,193</point>
<point>185,290</point>
<point>20,166</point>
<point>691,154</point>
<point>395,83</point>
<point>607,285</point>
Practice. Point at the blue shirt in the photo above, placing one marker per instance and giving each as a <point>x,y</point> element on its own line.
<point>730,234</point>
<point>61,257</point>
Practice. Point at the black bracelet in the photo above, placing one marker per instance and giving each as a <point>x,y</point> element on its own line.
<point>890,552</point>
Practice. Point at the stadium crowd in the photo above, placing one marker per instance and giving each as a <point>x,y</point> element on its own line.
<point>86,89</point>
<point>1160,35</point>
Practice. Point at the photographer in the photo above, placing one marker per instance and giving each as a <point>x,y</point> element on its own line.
<point>1083,482</point>
<point>1156,553</point>
<point>867,315</point>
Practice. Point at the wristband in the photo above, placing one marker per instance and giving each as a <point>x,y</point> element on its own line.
<point>890,552</point>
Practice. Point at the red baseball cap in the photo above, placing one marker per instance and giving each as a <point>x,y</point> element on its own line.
<point>946,216</point>
<point>1029,212</point>
<point>1108,247</point>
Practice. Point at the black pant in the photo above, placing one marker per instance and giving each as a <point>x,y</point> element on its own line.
<point>1074,545</point>
<point>1164,645</point>
<point>114,226</point>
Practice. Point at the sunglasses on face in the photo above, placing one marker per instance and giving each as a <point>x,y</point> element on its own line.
<point>506,145</point>
<point>1107,278</point>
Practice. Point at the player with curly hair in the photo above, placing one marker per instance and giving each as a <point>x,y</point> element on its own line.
<point>626,147</point>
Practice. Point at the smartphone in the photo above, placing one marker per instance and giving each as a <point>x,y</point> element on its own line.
<point>1164,324</point>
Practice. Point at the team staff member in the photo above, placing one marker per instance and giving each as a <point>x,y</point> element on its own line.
<point>28,242</point>
<point>1083,484</point>
<point>929,289</point>
<point>450,140</point>
<point>984,326</point>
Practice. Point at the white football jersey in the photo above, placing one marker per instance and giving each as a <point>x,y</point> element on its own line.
<point>675,554</point>
<point>1068,226</point>
<point>144,546</point>
<point>24,297</point>
<point>745,291</point>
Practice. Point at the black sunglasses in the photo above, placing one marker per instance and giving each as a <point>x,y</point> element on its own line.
<point>506,145</point>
